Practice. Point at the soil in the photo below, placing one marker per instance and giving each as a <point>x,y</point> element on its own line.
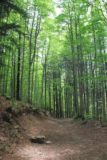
<point>70,140</point>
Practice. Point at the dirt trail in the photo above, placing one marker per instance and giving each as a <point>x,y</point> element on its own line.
<point>70,140</point>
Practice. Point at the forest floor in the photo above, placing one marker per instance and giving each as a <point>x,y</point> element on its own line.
<point>70,140</point>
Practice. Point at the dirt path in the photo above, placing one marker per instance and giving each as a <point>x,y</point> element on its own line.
<point>70,140</point>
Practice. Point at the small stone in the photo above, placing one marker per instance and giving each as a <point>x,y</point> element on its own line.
<point>48,142</point>
<point>16,126</point>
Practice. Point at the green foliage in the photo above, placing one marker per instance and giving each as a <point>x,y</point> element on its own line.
<point>57,61</point>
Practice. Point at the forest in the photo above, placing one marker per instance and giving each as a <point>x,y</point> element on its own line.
<point>53,56</point>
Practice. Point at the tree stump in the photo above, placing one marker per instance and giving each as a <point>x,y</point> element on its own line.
<point>40,140</point>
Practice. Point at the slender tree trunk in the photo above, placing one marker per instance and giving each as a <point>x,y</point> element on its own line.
<point>18,70</point>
